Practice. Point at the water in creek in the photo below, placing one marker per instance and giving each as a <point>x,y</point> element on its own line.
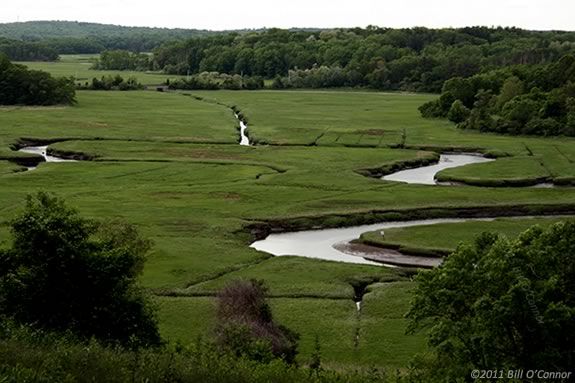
<point>43,151</point>
<point>333,244</point>
<point>425,175</point>
<point>244,140</point>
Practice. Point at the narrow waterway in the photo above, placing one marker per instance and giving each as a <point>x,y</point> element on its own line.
<point>42,151</point>
<point>334,244</point>
<point>244,139</point>
<point>425,175</point>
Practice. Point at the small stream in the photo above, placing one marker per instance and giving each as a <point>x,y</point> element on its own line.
<point>43,151</point>
<point>244,140</point>
<point>425,175</point>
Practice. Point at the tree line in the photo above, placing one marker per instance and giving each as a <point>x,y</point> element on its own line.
<point>522,99</point>
<point>215,81</point>
<point>122,60</point>
<point>28,51</point>
<point>21,86</point>
<point>416,59</point>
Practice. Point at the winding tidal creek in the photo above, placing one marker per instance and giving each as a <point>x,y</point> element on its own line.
<point>335,244</point>
<point>425,175</point>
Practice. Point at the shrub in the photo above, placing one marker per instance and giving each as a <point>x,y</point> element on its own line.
<point>245,326</point>
<point>500,304</point>
<point>66,273</point>
<point>458,112</point>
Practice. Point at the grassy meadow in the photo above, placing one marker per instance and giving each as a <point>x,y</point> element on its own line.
<point>171,164</point>
<point>79,66</point>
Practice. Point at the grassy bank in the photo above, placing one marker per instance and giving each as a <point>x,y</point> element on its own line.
<point>442,239</point>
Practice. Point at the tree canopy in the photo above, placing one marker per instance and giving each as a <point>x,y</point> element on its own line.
<point>27,51</point>
<point>21,86</point>
<point>500,304</point>
<point>67,273</point>
<point>415,59</point>
<point>523,99</point>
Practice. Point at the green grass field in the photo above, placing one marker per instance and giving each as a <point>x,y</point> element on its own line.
<point>170,164</point>
<point>336,323</point>
<point>79,67</point>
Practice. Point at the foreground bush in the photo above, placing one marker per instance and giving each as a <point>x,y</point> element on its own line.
<point>66,273</point>
<point>500,305</point>
<point>246,327</point>
<point>28,356</point>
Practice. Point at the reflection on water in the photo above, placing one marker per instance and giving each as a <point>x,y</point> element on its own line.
<point>324,244</point>
<point>425,175</point>
<point>42,150</point>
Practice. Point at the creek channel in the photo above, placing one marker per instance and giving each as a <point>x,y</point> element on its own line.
<point>42,151</point>
<point>244,139</point>
<point>335,244</point>
<point>425,175</point>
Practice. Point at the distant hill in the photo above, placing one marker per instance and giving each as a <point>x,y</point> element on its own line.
<point>69,37</point>
<point>66,37</point>
<point>40,30</point>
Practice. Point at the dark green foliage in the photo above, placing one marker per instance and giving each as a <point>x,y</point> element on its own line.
<point>320,77</point>
<point>500,304</point>
<point>28,356</point>
<point>122,60</point>
<point>416,59</point>
<point>245,326</point>
<point>20,86</point>
<point>458,112</point>
<point>116,82</point>
<point>67,273</point>
<point>214,80</point>
<point>27,51</point>
<point>533,100</point>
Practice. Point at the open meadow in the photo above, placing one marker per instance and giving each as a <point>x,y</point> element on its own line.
<point>171,164</point>
<point>79,66</point>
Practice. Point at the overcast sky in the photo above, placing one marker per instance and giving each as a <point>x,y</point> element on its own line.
<point>227,14</point>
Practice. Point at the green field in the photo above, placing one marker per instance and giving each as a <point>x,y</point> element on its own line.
<point>79,67</point>
<point>336,323</point>
<point>170,164</point>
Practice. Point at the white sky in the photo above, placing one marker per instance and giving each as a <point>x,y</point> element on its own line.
<point>227,14</point>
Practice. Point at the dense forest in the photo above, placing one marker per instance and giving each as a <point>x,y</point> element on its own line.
<point>524,99</point>
<point>21,86</point>
<point>27,51</point>
<point>416,59</point>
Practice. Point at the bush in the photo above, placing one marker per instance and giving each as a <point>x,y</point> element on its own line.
<point>542,126</point>
<point>245,326</point>
<point>67,273</point>
<point>430,109</point>
<point>215,80</point>
<point>458,112</point>
<point>20,86</point>
<point>500,304</point>
<point>116,82</point>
